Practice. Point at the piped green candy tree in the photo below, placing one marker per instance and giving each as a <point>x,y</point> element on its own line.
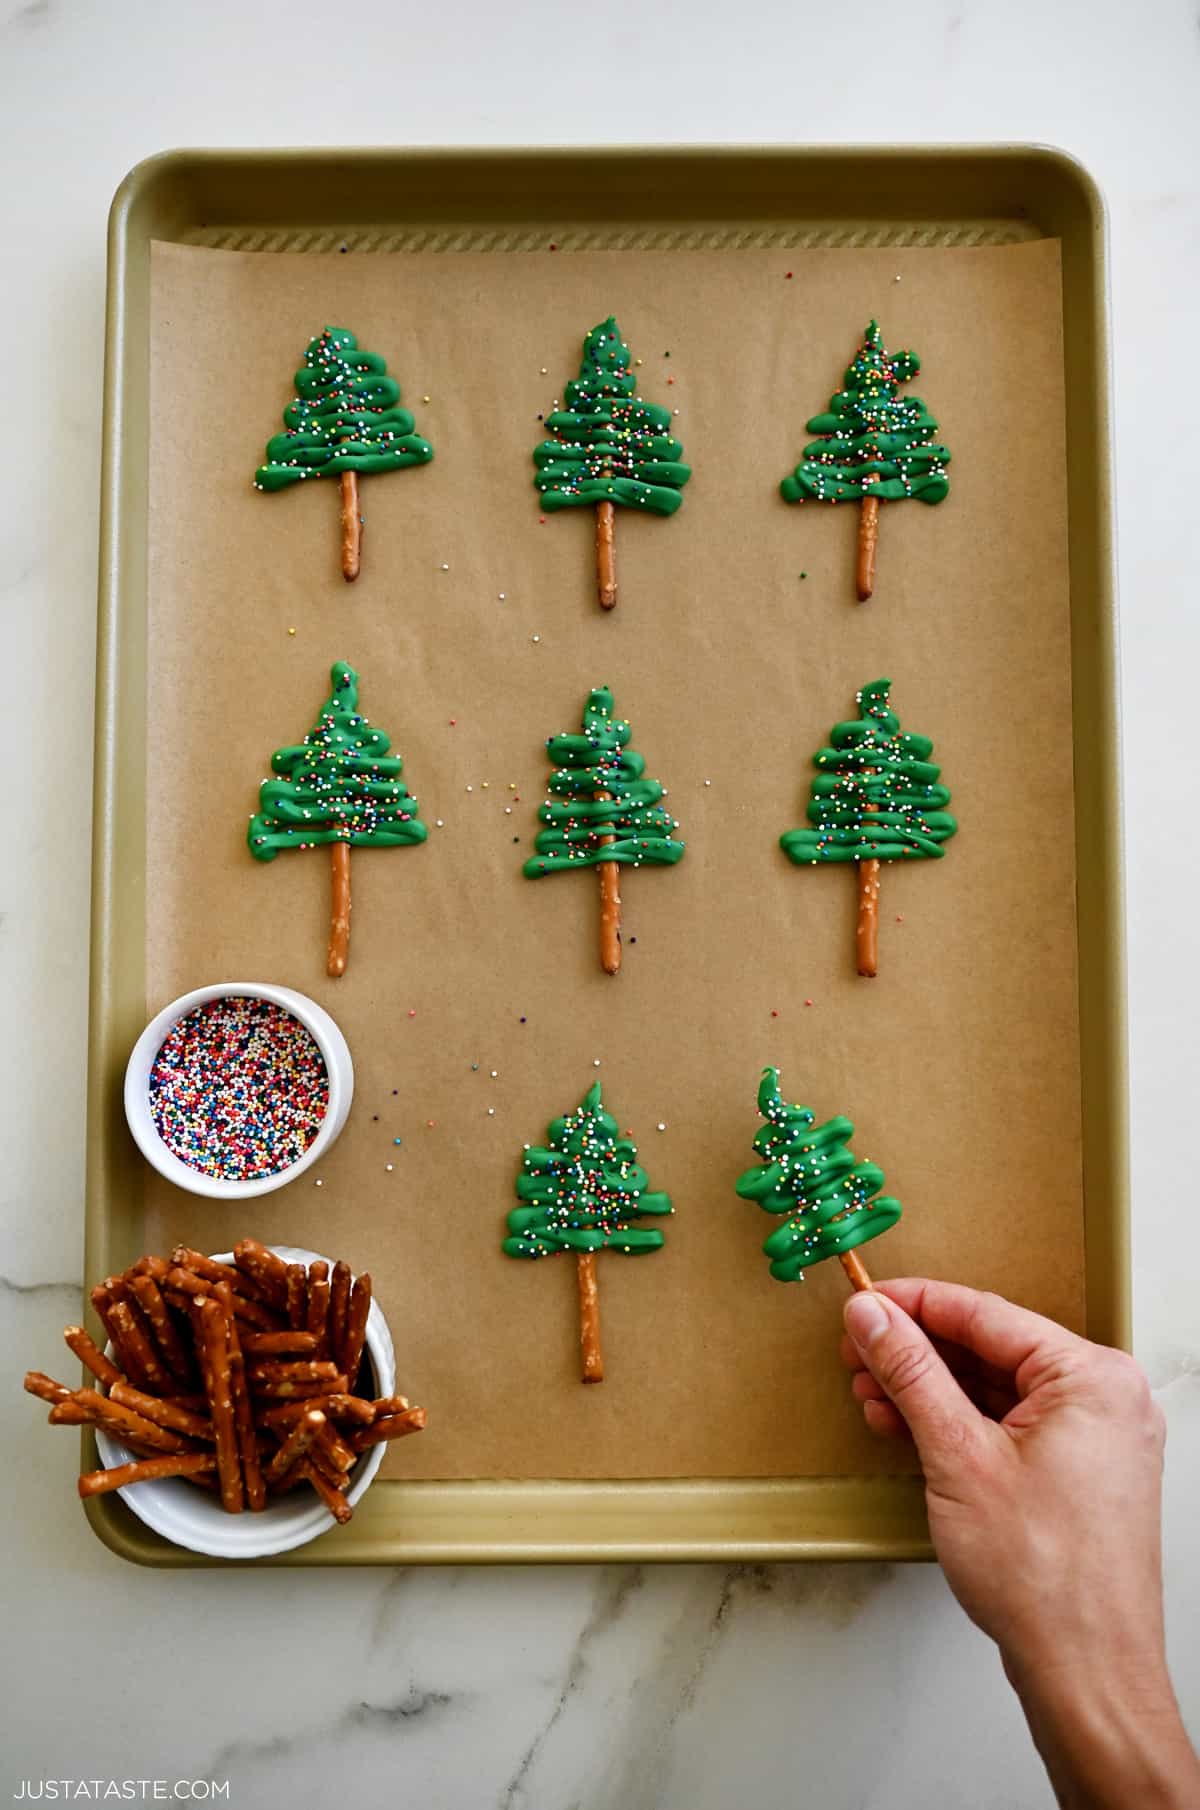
<point>876,797</point>
<point>609,446</point>
<point>584,1192</point>
<point>827,1203</point>
<point>875,446</point>
<point>338,786</point>
<point>346,419</point>
<point>602,814</point>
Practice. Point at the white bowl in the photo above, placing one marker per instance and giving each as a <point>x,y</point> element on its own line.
<point>191,1517</point>
<point>324,1032</point>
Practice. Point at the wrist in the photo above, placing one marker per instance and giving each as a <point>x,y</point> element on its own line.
<point>1109,1731</point>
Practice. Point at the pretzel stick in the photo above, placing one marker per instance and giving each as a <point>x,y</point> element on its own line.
<point>182,1282</point>
<point>191,1404</point>
<point>318,1302</point>
<point>102,1300</point>
<point>333,1447</point>
<point>135,1342</point>
<point>295,1370</point>
<point>321,1461</point>
<point>91,1356</point>
<point>867,930</point>
<point>184,1258</point>
<point>334,1407</point>
<point>149,1298</point>
<point>279,1344</point>
<point>38,1383</point>
<point>339,1297</point>
<point>351,528</point>
<point>297,1296</point>
<point>220,1397</point>
<point>295,1445</point>
<point>334,1501</point>
<point>592,1357</point>
<point>606,571</point>
<point>390,1404</point>
<point>264,1267</point>
<point>243,1416</point>
<point>86,1408</point>
<point>339,909</point>
<point>162,1413</point>
<point>868,541</point>
<point>146,1470</point>
<point>610,901</point>
<point>296,1389</point>
<point>856,1269</point>
<point>357,1311</point>
<point>393,1426</point>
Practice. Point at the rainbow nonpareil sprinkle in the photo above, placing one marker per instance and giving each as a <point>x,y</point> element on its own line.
<point>238,1089</point>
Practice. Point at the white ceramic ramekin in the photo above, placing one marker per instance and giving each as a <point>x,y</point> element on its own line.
<point>190,1517</point>
<point>338,1067</point>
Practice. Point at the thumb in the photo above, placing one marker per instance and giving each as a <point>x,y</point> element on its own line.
<point>894,1349</point>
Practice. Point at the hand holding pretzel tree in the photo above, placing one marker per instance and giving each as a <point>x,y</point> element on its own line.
<point>827,1202</point>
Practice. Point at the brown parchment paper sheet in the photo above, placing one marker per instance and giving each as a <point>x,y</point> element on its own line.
<point>959,1065</point>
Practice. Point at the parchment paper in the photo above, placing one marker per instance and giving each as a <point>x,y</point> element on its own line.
<point>959,1065</point>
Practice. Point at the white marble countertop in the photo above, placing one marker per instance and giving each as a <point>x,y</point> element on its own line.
<point>614,1689</point>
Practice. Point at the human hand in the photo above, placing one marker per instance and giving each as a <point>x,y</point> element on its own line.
<point>1042,1456</point>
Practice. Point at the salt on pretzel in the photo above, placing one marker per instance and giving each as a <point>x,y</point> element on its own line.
<point>389,1426</point>
<point>317,1315</point>
<point>334,1407</point>
<point>339,1300</point>
<point>262,1266</point>
<point>297,1296</point>
<point>209,1270</point>
<point>183,1282</point>
<point>287,1343</point>
<point>91,1356</point>
<point>84,1407</point>
<point>332,1497</point>
<point>220,1397</point>
<point>295,1445</point>
<point>357,1312</point>
<point>243,1414</point>
<point>162,1412</point>
<point>146,1470</point>
<point>149,1298</point>
<point>38,1383</point>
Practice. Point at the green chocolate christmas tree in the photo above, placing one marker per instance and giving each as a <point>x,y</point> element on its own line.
<point>346,418</point>
<point>602,813</point>
<point>338,786</point>
<point>826,1202</point>
<point>609,446</point>
<point>585,1193</point>
<point>876,798</point>
<point>875,446</point>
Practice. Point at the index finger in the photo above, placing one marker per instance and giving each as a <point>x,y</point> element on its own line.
<point>996,1330</point>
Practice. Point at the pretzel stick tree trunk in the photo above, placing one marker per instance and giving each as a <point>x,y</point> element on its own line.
<point>339,909</point>
<point>610,901</point>
<point>351,528</point>
<point>606,568</point>
<point>589,1319</point>
<point>867,932</point>
<point>856,1269</point>
<point>868,545</point>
